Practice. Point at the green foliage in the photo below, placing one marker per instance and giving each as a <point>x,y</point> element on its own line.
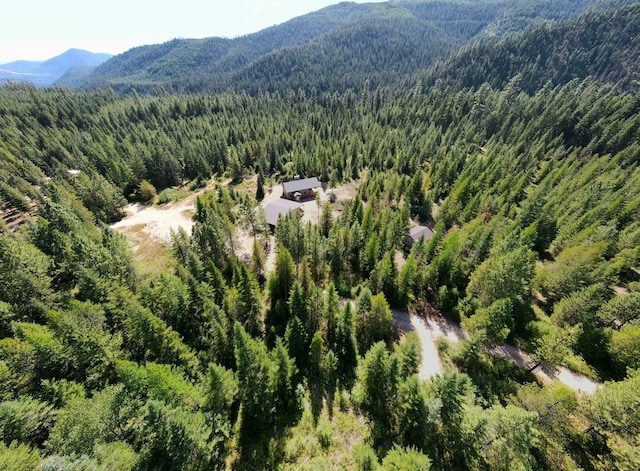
<point>26,420</point>
<point>417,415</point>
<point>265,381</point>
<point>495,321</point>
<point>555,347</point>
<point>554,405</point>
<point>116,455</point>
<point>625,347</point>
<point>145,336</point>
<point>495,378</point>
<point>614,411</point>
<point>459,432</point>
<point>59,393</point>
<point>92,349</point>
<point>19,457</point>
<point>621,308</point>
<point>365,458</point>
<point>571,270</point>
<point>504,276</point>
<point>147,192</point>
<point>360,45</point>
<point>152,371</point>
<point>511,438</point>
<point>279,285</point>
<point>51,359</point>
<point>378,381</point>
<point>409,352</point>
<point>82,423</point>
<point>161,382</point>
<point>399,459</point>
<point>175,439</point>
<point>373,319</point>
<point>24,275</point>
<point>547,54</point>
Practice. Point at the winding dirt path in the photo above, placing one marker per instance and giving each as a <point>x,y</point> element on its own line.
<point>431,328</point>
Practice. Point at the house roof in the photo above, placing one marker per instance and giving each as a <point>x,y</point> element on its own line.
<point>299,185</point>
<point>419,231</point>
<point>274,209</point>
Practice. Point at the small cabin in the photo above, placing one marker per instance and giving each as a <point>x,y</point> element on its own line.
<point>299,190</point>
<point>274,209</point>
<point>416,233</point>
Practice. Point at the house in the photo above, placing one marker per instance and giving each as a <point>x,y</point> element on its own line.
<point>416,233</point>
<point>274,209</point>
<point>298,190</point>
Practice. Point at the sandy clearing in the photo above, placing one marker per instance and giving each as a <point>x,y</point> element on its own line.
<point>431,328</point>
<point>159,221</point>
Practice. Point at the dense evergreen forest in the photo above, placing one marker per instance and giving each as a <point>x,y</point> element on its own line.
<point>213,360</point>
<point>337,48</point>
<point>602,45</point>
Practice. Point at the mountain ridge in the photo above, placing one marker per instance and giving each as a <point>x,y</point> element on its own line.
<point>44,73</point>
<point>346,36</point>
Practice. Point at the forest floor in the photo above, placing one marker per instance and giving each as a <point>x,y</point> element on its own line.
<point>430,328</point>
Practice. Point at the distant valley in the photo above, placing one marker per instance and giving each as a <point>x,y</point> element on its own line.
<point>75,62</point>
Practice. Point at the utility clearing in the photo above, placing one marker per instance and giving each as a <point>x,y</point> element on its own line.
<point>430,328</point>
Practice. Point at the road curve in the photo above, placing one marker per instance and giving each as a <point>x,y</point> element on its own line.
<point>433,327</point>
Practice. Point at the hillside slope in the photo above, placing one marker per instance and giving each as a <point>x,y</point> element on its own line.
<point>602,45</point>
<point>335,48</point>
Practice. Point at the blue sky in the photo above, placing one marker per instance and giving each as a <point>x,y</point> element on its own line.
<point>40,29</point>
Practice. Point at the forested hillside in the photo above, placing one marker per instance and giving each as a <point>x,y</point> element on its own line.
<point>214,360</point>
<point>339,47</point>
<point>287,352</point>
<point>602,45</point>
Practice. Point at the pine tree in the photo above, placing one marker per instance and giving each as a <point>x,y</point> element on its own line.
<point>260,187</point>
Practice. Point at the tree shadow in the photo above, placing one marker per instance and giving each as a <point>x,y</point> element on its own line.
<point>317,396</point>
<point>260,449</point>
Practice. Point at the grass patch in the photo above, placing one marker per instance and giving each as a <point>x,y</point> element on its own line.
<point>169,195</point>
<point>151,254</point>
<point>327,445</point>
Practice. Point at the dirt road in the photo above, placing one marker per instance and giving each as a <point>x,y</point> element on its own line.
<point>431,328</point>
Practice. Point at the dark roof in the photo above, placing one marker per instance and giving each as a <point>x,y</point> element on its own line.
<point>418,231</point>
<point>274,209</point>
<point>299,185</point>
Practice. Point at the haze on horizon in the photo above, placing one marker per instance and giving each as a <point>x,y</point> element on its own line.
<point>41,29</point>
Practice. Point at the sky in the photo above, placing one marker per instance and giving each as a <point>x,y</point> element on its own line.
<point>41,29</point>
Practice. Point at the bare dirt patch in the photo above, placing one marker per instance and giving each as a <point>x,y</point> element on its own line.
<point>158,222</point>
<point>148,228</point>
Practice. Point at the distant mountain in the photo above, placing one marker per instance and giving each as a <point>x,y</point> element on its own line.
<point>338,47</point>
<point>47,72</point>
<point>208,63</point>
<point>604,46</point>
